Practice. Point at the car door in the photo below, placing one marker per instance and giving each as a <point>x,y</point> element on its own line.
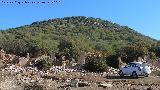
<point>138,69</point>
<point>133,68</point>
<point>127,69</point>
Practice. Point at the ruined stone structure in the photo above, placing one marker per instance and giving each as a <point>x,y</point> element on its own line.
<point>53,57</point>
<point>2,54</point>
<point>23,61</point>
<point>81,59</point>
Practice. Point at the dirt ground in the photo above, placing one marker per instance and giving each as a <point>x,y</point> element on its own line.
<point>117,82</point>
<point>59,81</point>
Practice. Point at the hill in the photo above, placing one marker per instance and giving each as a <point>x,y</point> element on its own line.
<point>83,34</point>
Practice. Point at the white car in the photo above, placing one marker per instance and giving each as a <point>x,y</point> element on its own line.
<point>135,69</point>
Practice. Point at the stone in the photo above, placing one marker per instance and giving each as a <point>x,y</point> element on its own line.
<point>105,85</point>
<point>2,54</point>
<point>150,88</point>
<point>1,64</point>
<point>74,82</point>
<point>81,59</point>
<point>23,61</point>
<point>104,74</point>
<point>83,84</point>
<point>28,56</point>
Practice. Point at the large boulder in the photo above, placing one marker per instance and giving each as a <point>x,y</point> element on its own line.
<point>2,54</point>
<point>74,82</point>
<point>1,64</point>
<point>83,84</point>
<point>105,85</point>
<point>23,61</point>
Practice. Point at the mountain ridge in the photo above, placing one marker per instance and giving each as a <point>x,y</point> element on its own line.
<point>94,33</point>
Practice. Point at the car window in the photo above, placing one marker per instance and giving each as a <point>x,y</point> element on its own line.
<point>132,65</point>
<point>127,66</point>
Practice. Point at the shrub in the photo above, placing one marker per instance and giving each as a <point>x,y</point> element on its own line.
<point>112,61</point>
<point>96,64</point>
<point>68,49</point>
<point>44,64</point>
<point>153,56</point>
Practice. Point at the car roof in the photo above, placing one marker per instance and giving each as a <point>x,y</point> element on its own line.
<point>136,62</point>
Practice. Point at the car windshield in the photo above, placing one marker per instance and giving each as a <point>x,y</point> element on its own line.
<point>136,64</point>
<point>131,65</point>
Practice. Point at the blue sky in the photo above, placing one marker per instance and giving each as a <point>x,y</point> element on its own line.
<point>141,15</point>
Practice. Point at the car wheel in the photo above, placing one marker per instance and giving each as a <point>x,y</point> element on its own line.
<point>134,74</point>
<point>121,73</point>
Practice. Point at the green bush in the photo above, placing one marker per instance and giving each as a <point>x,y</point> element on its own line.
<point>96,64</point>
<point>68,49</point>
<point>112,61</point>
<point>153,56</point>
<point>156,50</point>
<point>44,64</point>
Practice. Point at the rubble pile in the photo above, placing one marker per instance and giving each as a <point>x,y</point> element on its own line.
<point>112,71</point>
<point>154,68</point>
<point>60,69</point>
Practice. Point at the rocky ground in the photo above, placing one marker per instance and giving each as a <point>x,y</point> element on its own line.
<point>22,77</point>
<point>16,78</point>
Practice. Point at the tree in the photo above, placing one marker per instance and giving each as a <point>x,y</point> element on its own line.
<point>131,53</point>
<point>68,49</point>
<point>156,50</point>
<point>152,55</point>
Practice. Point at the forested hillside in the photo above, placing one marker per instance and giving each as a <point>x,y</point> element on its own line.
<point>73,35</point>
